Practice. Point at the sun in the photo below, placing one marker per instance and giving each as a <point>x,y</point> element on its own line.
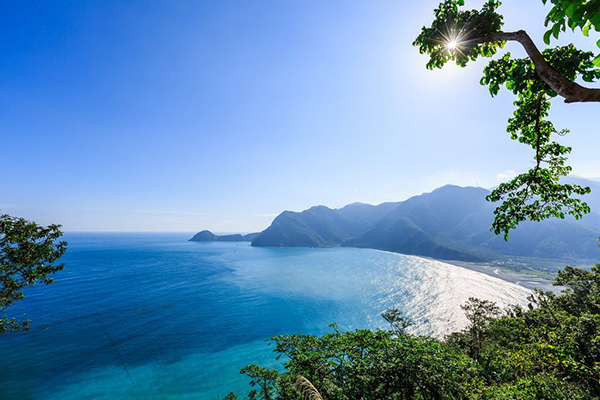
<point>453,44</point>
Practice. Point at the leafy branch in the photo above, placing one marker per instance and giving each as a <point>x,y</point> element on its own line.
<point>465,35</point>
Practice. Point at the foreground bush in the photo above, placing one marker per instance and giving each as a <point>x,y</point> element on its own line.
<point>550,350</point>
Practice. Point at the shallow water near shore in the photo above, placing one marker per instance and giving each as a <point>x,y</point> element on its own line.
<point>143,316</point>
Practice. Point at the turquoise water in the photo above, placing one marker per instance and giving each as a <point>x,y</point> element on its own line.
<point>152,316</point>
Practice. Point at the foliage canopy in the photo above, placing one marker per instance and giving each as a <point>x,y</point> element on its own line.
<point>462,36</point>
<point>28,255</point>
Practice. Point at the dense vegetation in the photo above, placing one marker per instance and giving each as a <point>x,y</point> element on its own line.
<point>549,350</point>
<point>28,255</point>
<point>462,36</point>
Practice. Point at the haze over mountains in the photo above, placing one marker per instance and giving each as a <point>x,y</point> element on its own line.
<point>449,223</point>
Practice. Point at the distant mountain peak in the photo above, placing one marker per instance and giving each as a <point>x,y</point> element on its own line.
<point>357,204</point>
<point>456,187</point>
<point>319,208</point>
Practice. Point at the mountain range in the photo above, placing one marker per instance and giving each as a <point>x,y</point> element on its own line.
<point>450,223</point>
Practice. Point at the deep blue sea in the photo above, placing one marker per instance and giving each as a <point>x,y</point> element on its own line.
<point>153,316</point>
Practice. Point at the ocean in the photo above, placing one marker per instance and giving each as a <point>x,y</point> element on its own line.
<point>153,316</point>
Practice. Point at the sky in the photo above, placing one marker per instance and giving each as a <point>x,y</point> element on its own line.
<point>191,115</point>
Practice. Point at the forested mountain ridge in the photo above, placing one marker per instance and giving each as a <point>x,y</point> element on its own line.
<point>451,222</point>
<point>321,226</point>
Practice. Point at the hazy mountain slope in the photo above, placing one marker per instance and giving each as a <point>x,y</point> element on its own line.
<point>451,222</point>
<point>442,210</point>
<point>592,199</point>
<point>251,236</point>
<point>231,238</point>
<point>367,214</point>
<point>204,236</point>
<point>548,239</point>
<point>404,236</point>
<point>321,226</point>
<point>456,221</point>
<point>423,225</point>
<point>208,236</point>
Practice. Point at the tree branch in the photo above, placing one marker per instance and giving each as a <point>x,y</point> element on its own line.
<point>571,91</point>
<point>538,139</point>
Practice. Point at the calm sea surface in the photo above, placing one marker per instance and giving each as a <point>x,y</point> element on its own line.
<point>152,316</point>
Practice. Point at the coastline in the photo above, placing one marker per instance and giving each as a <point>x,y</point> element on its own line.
<point>541,280</point>
<point>524,277</point>
<point>528,281</point>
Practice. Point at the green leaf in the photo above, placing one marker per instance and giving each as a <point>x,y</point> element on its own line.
<point>547,37</point>
<point>597,61</point>
<point>555,31</point>
<point>586,29</point>
<point>570,11</point>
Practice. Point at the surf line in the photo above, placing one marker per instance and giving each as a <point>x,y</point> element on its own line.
<point>114,345</point>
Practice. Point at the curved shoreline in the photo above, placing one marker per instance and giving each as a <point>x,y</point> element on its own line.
<point>518,278</point>
<point>526,280</point>
<point>521,279</point>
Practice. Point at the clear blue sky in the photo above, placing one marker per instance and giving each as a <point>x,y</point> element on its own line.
<point>180,116</point>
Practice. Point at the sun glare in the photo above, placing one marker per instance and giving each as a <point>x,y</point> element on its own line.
<point>452,45</point>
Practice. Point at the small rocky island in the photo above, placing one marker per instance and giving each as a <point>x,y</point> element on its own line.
<point>208,236</point>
